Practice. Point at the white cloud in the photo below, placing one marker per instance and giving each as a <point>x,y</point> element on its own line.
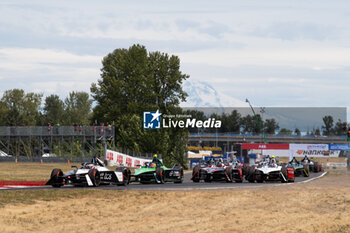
<point>273,51</point>
<point>47,71</point>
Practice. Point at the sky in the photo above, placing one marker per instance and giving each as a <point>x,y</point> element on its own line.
<point>273,52</point>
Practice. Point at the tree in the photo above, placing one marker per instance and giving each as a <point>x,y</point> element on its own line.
<point>22,109</point>
<point>3,113</point>
<point>340,128</point>
<point>297,132</point>
<point>231,122</point>
<point>328,125</point>
<point>270,126</point>
<point>133,81</point>
<point>285,131</point>
<point>77,108</point>
<point>249,124</point>
<point>317,132</point>
<point>53,110</point>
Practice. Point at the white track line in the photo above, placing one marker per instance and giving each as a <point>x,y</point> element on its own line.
<point>322,175</point>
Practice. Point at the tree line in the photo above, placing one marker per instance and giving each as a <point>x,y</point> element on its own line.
<point>18,108</point>
<point>236,123</point>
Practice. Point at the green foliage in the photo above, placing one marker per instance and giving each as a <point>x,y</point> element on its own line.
<point>328,125</point>
<point>133,81</point>
<point>53,109</point>
<point>20,109</point>
<point>285,131</point>
<point>249,124</point>
<point>297,132</point>
<point>340,128</point>
<point>270,126</point>
<point>77,108</point>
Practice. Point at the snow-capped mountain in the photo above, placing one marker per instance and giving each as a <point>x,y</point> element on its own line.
<point>202,94</point>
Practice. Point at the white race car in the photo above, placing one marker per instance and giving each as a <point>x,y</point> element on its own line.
<point>270,172</point>
<point>90,174</point>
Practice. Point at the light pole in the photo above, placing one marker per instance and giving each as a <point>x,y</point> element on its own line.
<point>257,119</point>
<point>262,111</point>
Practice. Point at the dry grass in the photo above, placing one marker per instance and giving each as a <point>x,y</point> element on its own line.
<point>320,206</point>
<point>32,171</point>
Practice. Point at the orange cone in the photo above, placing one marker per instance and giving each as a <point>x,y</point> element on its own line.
<point>68,162</point>
<point>16,161</point>
<point>41,161</point>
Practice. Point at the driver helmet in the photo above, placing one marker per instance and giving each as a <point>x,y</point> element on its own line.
<point>152,165</point>
<point>90,165</point>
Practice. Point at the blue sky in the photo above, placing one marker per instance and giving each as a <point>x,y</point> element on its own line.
<point>276,53</point>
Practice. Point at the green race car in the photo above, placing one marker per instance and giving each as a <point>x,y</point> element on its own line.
<point>158,173</point>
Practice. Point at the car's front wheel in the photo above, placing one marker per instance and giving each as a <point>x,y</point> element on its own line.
<point>94,176</point>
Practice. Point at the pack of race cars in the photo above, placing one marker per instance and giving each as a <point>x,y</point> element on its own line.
<point>263,171</point>
<point>96,173</point>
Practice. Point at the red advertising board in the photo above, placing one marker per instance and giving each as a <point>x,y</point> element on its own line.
<point>262,146</point>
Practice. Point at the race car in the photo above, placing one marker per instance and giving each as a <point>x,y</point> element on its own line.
<point>94,174</point>
<point>158,173</point>
<point>238,171</point>
<point>269,172</point>
<point>212,172</point>
<point>313,166</point>
<point>299,168</point>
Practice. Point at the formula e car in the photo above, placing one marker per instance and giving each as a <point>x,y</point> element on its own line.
<point>212,172</point>
<point>238,171</point>
<point>299,168</point>
<point>158,173</point>
<point>94,173</point>
<point>315,166</point>
<point>270,172</point>
<point>312,165</point>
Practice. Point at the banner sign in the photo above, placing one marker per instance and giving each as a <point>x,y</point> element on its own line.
<point>330,164</point>
<point>339,147</point>
<point>262,146</point>
<point>114,158</point>
<point>322,147</point>
<point>315,153</point>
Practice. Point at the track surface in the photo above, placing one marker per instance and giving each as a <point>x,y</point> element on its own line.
<point>186,185</point>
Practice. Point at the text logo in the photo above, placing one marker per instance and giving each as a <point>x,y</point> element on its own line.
<point>151,120</point>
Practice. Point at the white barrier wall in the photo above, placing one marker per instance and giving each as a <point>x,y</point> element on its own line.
<point>114,158</point>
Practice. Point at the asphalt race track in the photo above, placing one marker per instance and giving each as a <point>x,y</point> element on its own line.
<point>186,185</point>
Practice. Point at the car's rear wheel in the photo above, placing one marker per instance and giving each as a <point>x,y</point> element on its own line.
<point>181,176</point>
<point>316,167</point>
<point>228,174</point>
<point>195,174</point>
<point>160,175</point>
<point>251,175</point>
<point>57,178</point>
<point>95,177</point>
<point>126,176</point>
<point>284,175</point>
